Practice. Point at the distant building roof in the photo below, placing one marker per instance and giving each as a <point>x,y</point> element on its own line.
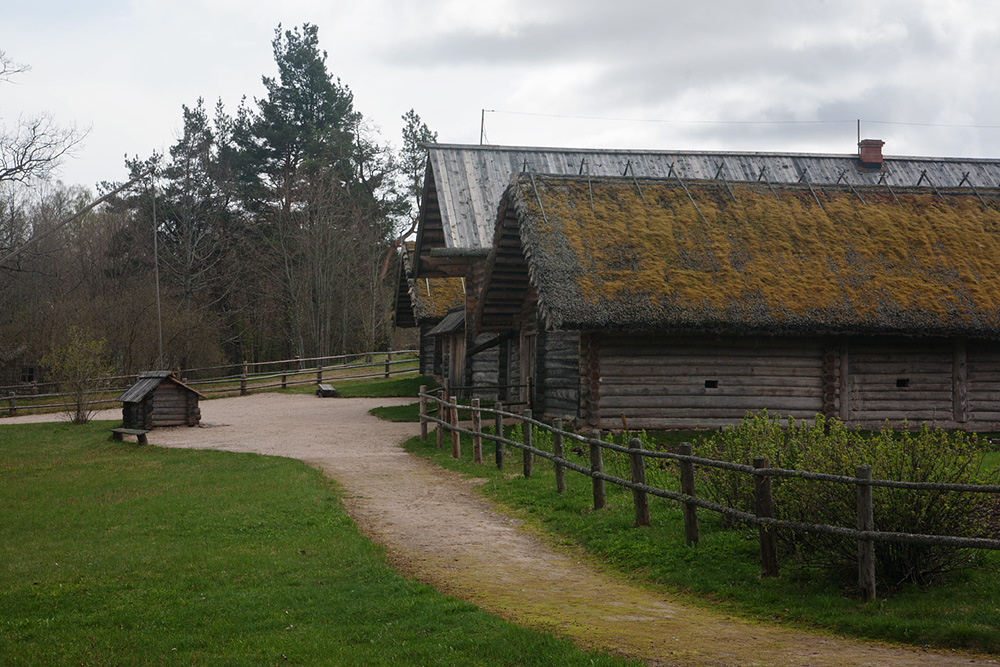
<point>464,183</point>
<point>420,300</point>
<point>669,254</point>
<point>147,382</point>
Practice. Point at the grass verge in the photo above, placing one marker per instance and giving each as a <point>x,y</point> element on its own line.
<point>723,569</point>
<point>111,553</point>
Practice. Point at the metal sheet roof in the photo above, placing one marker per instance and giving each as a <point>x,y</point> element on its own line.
<point>470,179</point>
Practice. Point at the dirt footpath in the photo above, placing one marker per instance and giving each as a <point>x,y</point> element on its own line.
<point>437,529</point>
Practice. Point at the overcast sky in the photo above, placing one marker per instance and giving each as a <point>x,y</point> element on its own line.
<point>697,75</point>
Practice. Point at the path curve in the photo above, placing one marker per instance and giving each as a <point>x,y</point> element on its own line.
<point>438,529</point>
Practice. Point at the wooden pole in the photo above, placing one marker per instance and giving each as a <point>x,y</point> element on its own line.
<point>456,442</point>
<point>477,429</point>
<point>388,361</point>
<point>319,374</point>
<point>243,380</point>
<point>13,406</point>
<point>691,532</point>
<point>439,433</point>
<point>423,412</point>
<point>284,381</point>
<point>526,433</point>
<point>765,509</point>
<point>866,522</point>
<point>597,465</point>
<point>498,431</point>
<point>557,449</point>
<point>639,497</point>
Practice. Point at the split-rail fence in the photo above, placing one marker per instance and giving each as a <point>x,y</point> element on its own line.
<point>230,379</point>
<point>446,418</point>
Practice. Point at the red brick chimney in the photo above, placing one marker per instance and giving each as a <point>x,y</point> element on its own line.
<point>870,152</point>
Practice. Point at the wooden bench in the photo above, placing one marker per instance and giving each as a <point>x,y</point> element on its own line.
<point>139,433</point>
<point>326,391</point>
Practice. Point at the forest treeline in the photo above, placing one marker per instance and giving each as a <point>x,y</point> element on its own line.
<point>275,234</point>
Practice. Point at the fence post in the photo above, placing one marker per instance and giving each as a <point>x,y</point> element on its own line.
<point>319,374</point>
<point>477,428</point>
<point>639,497</point>
<point>243,380</point>
<point>423,412</point>
<point>388,361</point>
<point>765,509</point>
<point>866,522</point>
<point>456,442</point>
<point>597,465</point>
<point>691,532</point>
<point>557,449</point>
<point>526,432</point>
<point>498,431</point>
<point>13,405</point>
<point>284,380</point>
<point>439,433</point>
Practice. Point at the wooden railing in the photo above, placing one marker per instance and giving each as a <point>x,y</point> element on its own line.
<point>446,418</point>
<point>246,378</point>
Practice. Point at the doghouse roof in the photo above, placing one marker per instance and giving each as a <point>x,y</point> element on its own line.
<point>666,254</point>
<point>147,382</point>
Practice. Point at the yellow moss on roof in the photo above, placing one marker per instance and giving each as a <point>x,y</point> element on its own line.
<point>916,254</point>
<point>436,296</point>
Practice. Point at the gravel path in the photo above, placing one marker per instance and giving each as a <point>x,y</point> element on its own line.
<point>437,529</point>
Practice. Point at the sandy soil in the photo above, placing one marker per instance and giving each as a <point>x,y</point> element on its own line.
<point>437,529</point>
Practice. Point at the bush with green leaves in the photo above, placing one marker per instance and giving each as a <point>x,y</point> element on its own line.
<point>827,445</point>
<point>80,366</point>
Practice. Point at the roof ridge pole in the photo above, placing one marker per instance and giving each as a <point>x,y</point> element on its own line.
<point>805,178</point>
<point>534,186</point>
<point>924,175</point>
<point>628,166</point>
<point>972,185</point>
<point>725,181</point>
<point>688,193</point>
<point>884,181</point>
<point>590,186</point>
<point>763,171</point>
<point>848,183</point>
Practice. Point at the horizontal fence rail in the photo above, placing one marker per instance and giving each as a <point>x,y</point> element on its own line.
<point>244,380</point>
<point>446,418</point>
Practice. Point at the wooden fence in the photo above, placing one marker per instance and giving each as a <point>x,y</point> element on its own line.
<point>240,379</point>
<point>446,418</point>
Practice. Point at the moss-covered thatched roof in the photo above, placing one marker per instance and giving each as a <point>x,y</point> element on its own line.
<point>663,254</point>
<point>421,300</point>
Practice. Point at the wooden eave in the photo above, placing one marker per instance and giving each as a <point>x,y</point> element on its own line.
<point>507,280</point>
<point>430,230</point>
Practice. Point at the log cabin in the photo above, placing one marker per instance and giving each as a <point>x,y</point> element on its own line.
<point>662,303</point>
<point>157,399</point>
<point>464,184</point>
<point>423,303</point>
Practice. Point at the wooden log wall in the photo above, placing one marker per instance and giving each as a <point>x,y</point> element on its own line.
<point>665,382</point>
<point>170,406</point>
<point>484,370</point>
<point>558,374</point>
<point>900,379</point>
<point>426,350</point>
<point>983,384</point>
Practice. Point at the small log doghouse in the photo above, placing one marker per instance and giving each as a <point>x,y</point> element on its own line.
<point>157,399</point>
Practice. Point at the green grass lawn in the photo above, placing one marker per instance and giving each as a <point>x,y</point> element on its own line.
<point>112,553</point>
<point>723,570</point>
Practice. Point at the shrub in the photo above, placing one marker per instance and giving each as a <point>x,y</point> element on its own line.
<point>827,445</point>
<point>80,366</point>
